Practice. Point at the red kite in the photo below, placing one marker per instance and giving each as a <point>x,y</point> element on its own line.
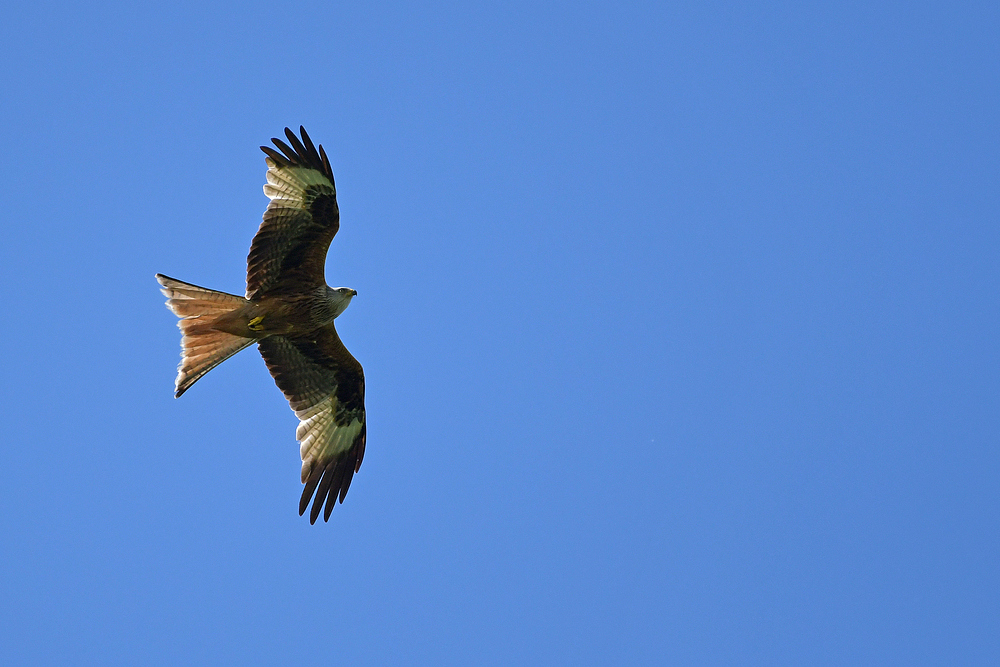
<point>289,312</point>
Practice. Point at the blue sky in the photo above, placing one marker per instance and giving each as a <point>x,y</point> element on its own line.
<point>679,323</point>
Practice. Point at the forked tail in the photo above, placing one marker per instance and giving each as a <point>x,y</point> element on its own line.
<point>202,347</point>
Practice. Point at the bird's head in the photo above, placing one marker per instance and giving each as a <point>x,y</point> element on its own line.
<point>340,298</point>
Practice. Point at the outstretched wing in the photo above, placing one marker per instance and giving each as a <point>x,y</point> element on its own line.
<point>325,386</point>
<point>289,250</point>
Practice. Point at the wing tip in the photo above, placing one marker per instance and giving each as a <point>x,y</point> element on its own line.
<point>299,152</point>
<point>330,483</point>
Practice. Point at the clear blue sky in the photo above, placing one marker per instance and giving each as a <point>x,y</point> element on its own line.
<point>679,322</point>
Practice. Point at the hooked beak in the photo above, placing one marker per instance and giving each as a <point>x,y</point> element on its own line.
<point>354,292</point>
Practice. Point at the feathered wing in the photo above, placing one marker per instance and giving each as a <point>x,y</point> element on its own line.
<point>289,250</point>
<point>325,386</point>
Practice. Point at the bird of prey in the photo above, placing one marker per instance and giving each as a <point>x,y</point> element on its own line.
<point>289,311</point>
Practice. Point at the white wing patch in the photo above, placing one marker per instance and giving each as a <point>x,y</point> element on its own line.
<point>288,184</point>
<point>319,435</point>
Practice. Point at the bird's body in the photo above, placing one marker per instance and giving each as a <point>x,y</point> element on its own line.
<point>289,311</point>
<point>285,314</point>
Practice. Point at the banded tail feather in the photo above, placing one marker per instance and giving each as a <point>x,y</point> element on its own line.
<point>202,347</point>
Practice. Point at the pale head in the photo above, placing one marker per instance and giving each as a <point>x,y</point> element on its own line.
<point>339,298</point>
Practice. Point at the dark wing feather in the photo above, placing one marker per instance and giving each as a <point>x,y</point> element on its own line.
<point>325,386</point>
<point>288,252</point>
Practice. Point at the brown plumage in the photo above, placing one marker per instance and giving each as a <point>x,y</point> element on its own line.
<point>289,311</point>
